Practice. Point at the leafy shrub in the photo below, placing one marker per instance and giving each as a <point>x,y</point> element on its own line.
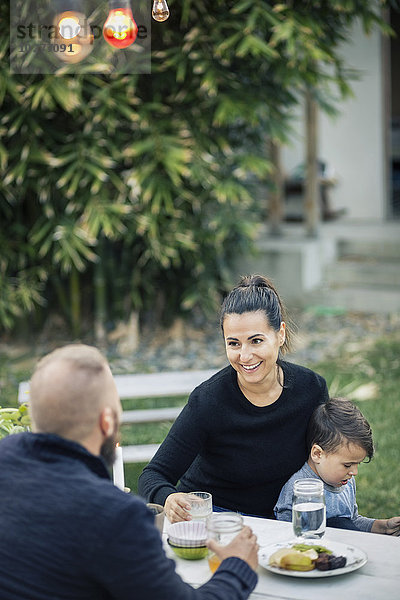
<point>14,420</point>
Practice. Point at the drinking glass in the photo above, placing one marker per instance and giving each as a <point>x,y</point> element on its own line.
<point>200,505</point>
<point>308,509</point>
<point>222,527</point>
<point>159,514</point>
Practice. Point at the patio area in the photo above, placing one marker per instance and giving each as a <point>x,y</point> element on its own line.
<point>351,265</point>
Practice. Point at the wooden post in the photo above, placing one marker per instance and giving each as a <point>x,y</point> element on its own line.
<point>75,301</point>
<point>275,204</point>
<point>312,191</point>
<point>100,302</point>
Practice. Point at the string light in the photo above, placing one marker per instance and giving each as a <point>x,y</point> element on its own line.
<point>120,29</point>
<point>73,37</point>
<point>160,11</point>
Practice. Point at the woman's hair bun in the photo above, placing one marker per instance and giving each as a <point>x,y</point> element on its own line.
<point>255,281</point>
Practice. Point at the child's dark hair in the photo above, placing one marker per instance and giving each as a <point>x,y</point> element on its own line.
<point>256,293</point>
<point>338,421</point>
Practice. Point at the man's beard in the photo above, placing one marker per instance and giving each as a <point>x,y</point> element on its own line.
<point>107,450</point>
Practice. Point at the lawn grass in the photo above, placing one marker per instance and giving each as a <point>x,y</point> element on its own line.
<point>145,433</point>
<point>378,482</point>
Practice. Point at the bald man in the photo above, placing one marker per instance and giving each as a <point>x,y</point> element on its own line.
<point>66,532</point>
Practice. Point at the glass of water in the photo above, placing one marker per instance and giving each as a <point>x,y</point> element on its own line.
<point>159,514</point>
<point>200,505</point>
<point>308,509</point>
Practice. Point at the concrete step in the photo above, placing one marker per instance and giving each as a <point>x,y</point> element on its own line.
<point>364,272</point>
<point>358,298</point>
<point>379,249</point>
<point>365,276</point>
<point>350,265</point>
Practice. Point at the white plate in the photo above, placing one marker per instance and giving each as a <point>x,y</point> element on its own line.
<point>356,558</point>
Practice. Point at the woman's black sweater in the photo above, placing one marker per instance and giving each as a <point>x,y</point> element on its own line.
<point>243,454</point>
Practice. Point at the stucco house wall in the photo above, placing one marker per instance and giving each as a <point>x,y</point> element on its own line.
<point>353,142</point>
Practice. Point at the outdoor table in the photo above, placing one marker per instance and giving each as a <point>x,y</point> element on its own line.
<point>378,579</point>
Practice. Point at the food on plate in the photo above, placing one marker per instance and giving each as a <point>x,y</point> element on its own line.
<point>327,562</point>
<point>294,560</point>
<point>306,547</point>
<point>304,557</point>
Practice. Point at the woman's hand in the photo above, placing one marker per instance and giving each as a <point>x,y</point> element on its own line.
<point>176,507</point>
<point>244,546</point>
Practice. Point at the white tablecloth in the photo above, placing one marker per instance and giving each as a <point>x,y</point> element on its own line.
<point>379,579</point>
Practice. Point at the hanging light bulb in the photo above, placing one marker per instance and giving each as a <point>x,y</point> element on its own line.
<point>68,25</point>
<point>160,11</point>
<point>72,38</point>
<point>120,29</point>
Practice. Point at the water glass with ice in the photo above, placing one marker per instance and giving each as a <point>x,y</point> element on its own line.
<point>308,509</point>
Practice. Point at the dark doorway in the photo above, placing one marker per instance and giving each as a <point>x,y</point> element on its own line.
<point>394,145</point>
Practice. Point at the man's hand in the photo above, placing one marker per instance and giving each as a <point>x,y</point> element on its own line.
<point>244,546</point>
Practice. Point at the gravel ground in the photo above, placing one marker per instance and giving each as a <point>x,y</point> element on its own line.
<point>319,335</point>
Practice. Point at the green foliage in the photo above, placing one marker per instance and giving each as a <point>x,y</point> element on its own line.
<point>14,420</point>
<point>121,192</point>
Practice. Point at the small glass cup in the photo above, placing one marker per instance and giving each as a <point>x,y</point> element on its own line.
<point>222,527</point>
<point>200,505</point>
<point>159,515</point>
<point>308,509</point>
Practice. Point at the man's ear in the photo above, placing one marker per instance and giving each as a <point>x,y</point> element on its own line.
<point>316,453</point>
<point>106,421</point>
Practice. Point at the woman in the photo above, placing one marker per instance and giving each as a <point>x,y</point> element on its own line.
<point>242,433</point>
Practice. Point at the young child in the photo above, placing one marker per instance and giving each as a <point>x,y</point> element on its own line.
<point>339,438</point>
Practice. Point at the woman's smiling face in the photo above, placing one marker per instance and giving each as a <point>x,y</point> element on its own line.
<point>252,346</point>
